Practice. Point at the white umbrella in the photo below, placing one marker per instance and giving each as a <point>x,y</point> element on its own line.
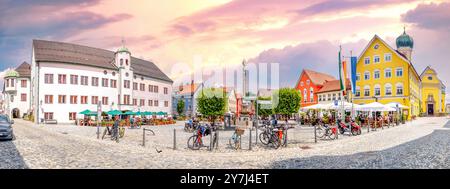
<point>347,105</point>
<point>394,105</point>
<point>375,106</point>
<point>314,107</point>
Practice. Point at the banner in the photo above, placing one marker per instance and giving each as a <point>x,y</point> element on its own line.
<point>353,61</point>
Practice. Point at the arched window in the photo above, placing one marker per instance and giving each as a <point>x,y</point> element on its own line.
<point>121,62</point>
<point>311,94</point>
<point>388,89</point>
<point>377,90</point>
<point>367,90</point>
<point>126,62</point>
<point>399,88</point>
<point>305,94</point>
<point>358,91</point>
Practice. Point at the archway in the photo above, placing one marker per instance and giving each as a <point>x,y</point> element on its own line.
<point>16,113</point>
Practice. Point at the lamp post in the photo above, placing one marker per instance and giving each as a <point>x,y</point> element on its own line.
<point>99,115</point>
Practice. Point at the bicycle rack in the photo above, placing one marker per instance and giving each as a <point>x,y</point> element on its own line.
<point>143,135</point>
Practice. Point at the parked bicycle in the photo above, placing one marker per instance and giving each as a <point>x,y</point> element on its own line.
<point>110,132</point>
<point>325,131</point>
<point>235,140</point>
<point>273,136</point>
<point>195,142</point>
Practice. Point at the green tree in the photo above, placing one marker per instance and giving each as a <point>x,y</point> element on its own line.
<point>212,103</point>
<point>265,109</point>
<point>180,107</point>
<point>286,101</point>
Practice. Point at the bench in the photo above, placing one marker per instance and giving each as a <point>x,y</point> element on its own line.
<point>51,121</point>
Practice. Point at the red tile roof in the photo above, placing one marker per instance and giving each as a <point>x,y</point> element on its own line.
<point>333,85</point>
<point>318,78</point>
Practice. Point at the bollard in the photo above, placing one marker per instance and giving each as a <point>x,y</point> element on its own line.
<point>210,142</point>
<point>256,137</point>
<point>315,134</point>
<point>250,140</point>
<point>368,125</point>
<point>217,140</point>
<point>286,138</point>
<point>143,137</point>
<point>174,139</point>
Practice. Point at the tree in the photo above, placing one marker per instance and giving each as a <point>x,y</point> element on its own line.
<point>212,103</point>
<point>180,106</point>
<point>265,109</point>
<point>286,101</point>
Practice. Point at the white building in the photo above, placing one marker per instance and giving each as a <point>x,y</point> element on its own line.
<point>16,91</point>
<point>69,78</point>
<point>331,91</point>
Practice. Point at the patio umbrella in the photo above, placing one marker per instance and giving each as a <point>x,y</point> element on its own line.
<point>114,112</point>
<point>129,113</point>
<point>148,113</point>
<point>347,106</point>
<point>375,106</point>
<point>394,105</point>
<point>161,113</point>
<point>85,112</point>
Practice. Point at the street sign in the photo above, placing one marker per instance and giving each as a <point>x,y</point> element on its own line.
<point>335,102</point>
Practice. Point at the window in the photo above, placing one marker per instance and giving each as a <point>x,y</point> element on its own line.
<point>150,88</point>
<point>62,99</point>
<point>156,103</point>
<point>142,87</point>
<point>305,94</point>
<point>126,99</point>
<point>358,92</point>
<point>49,99</point>
<point>121,62</point>
<point>166,103</point>
<point>388,89</point>
<point>142,102</point>
<point>135,86</point>
<point>126,84</point>
<point>339,96</point>
<point>72,116</point>
<point>301,84</point>
<point>319,97</point>
<point>329,97</point>
<point>7,82</point>
<point>74,100</point>
<point>23,83</point>
<point>74,79</point>
<point>113,83</point>
<point>84,80</point>
<point>126,62</point>
<point>377,90</point>
<point>62,78</point>
<point>150,102</point>
<point>358,76</point>
<point>376,74</point>
<point>134,102</point>
<point>13,82</point>
<point>399,87</point>
<point>155,89</point>
<point>48,78</point>
<point>376,59</point>
<point>311,94</point>
<point>84,99</point>
<point>388,73</point>
<point>388,57</point>
<point>23,97</point>
<point>48,115</point>
<point>94,100</point>
<point>334,96</point>
<point>166,90</point>
<point>307,82</point>
<point>430,78</point>
<point>366,91</point>
<point>95,81</point>
<point>104,82</point>
<point>105,100</point>
<point>366,60</point>
<point>366,75</point>
<point>399,72</point>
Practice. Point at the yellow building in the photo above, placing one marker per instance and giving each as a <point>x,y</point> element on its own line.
<point>433,93</point>
<point>387,75</point>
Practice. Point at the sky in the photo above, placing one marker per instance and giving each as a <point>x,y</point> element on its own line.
<point>297,34</point>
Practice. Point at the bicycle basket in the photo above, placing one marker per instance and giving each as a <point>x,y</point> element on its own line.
<point>240,131</point>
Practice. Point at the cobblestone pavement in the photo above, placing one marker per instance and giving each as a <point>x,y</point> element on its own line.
<point>421,144</point>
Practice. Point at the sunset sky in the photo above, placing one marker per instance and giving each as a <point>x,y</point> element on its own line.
<point>295,33</point>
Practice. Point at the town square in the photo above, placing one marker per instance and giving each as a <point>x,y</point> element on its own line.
<point>225,85</point>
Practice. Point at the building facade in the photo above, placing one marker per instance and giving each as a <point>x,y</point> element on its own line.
<point>16,91</point>
<point>309,83</point>
<point>186,93</point>
<point>433,93</point>
<point>68,78</point>
<point>331,91</point>
<point>387,75</point>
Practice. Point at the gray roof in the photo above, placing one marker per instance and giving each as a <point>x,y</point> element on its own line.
<point>24,70</point>
<point>52,51</point>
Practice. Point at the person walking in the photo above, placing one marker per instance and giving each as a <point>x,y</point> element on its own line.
<point>115,129</point>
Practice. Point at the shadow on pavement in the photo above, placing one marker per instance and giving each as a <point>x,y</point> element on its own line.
<point>10,157</point>
<point>431,151</point>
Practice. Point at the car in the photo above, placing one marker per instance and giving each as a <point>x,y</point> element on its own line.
<point>6,130</point>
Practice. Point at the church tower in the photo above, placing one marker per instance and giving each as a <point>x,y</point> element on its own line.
<point>405,44</point>
<point>123,62</point>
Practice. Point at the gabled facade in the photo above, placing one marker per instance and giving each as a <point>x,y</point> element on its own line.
<point>331,91</point>
<point>309,83</point>
<point>16,91</point>
<point>387,75</point>
<point>432,92</point>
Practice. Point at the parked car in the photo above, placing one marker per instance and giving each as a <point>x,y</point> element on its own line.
<point>6,130</point>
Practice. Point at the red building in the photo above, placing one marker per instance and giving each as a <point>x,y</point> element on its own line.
<point>309,83</point>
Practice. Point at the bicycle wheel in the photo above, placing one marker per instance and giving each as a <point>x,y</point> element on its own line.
<point>193,143</point>
<point>331,134</point>
<point>275,141</point>
<point>320,132</point>
<point>264,138</point>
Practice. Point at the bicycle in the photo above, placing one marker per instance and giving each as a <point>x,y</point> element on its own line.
<point>235,140</point>
<point>195,142</point>
<point>111,133</point>
<point>325,131</point>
